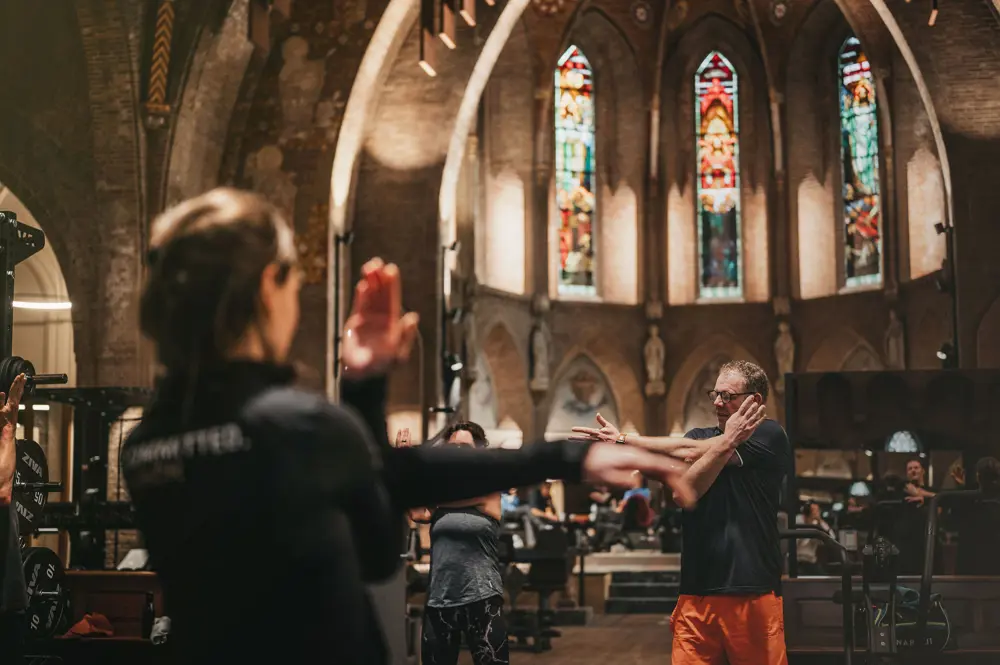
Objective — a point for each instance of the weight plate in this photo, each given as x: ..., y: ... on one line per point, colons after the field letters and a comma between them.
x: 43, y: 573
x: 6, y: 374
x: 31, y: 468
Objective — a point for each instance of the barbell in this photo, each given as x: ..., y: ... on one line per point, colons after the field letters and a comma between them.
x: 12, y: 366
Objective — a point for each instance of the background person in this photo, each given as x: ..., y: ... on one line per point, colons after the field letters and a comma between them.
x: 465, y: 590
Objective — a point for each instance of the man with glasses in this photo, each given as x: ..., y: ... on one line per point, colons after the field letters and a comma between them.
x: 730, y: 604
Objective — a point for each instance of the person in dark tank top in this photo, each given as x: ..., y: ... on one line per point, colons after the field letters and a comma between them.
x: 465, y: 591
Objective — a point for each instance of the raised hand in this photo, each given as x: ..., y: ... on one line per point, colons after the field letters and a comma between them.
x: 742, y: 424
x: 8, y: 412
x: 376, y: 335
x: 403, y: 438
x: 608, y: 464
x: 958, y: 473
x: 607, y: 432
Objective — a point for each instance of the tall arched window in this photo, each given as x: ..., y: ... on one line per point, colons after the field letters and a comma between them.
x: 575, y: 173
x: 717, y: 130
x: 859, y: 157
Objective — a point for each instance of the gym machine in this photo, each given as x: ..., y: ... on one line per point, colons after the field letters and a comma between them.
x: 42, y: 567
x: 845, y: 596
x: 551, y: 561
x: 95, y: 412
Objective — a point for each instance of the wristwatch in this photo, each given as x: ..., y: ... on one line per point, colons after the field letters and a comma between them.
x: 621, y: 438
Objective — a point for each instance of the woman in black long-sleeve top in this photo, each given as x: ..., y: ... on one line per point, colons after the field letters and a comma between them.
x: 265, y: 508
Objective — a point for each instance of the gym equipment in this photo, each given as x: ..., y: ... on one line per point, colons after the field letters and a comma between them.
x: 551, y: 566
x: 930, y: 603
x: 880, y: 564
x: 12, y: 366
x: 31, y: 484
x: 845, y: 596
x: 47, y: 600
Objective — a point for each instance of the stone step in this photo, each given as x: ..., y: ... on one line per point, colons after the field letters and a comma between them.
x: 646, y: 577
x: 639, y: 605
x: 642, y: 590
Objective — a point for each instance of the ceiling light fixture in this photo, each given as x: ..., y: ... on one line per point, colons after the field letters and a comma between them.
x: 45, y: 306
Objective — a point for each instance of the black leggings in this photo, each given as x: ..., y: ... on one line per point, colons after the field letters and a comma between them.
x: 482, y: 624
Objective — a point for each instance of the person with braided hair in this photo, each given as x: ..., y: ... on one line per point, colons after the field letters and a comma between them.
x: 266, y: 509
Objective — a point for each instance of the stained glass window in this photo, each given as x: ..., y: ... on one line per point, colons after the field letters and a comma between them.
x: 859, y: 158
x: 575, y: 137
x: 717, y: 129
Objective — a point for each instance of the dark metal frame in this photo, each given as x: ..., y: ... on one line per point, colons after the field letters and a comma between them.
x: 94, y: 414
x: 846, y: 586
x: 930, y: 543
x: 17, y: 242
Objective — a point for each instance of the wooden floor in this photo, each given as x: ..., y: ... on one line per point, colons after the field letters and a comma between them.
x: 611, y: 639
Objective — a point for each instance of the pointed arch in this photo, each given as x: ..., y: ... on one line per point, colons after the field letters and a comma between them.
x: 844, y: 350
x: 580, y: 392
x: 625, y: 389
x: 509, y: 375
x: 717, y: 162
x: 861, y: 191
x: 682, y: 181
x: 575, y: 173
x: 618, y: 163
x: 691, y: 370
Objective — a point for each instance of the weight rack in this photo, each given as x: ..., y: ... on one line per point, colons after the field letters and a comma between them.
x: 88, y: 514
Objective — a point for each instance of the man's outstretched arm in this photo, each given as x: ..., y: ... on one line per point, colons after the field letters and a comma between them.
x: 682, y: 448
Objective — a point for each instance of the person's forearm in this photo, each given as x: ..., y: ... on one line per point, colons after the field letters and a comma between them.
x: 426, y: 476
x: 367, y: 398
x: 689, y: 450
x: 703, y: 473
x: 8, y: 463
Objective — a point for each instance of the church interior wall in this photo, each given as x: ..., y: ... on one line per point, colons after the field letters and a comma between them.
x: 277, y: 117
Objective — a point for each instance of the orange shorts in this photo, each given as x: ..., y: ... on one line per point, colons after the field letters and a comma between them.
x: 739, y: 630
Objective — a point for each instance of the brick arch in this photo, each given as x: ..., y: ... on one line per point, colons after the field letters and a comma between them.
x: 211, y: 74
x: 988, y: 337
x: 120, y: 202
x: 683, y: 381
x: 394, y: 183
x: 624, y: 384
x: 840, y: 348
x: 510, y: 376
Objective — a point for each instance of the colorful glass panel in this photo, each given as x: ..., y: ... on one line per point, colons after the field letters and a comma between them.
x: 717, y: 131
x: 859, y: 158
x: 575, y: 173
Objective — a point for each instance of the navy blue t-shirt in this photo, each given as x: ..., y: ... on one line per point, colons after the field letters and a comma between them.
x: 731, y: 544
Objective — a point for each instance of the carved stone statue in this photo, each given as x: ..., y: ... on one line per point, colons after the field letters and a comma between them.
x: 540, y: 357
x: 895, y: 343
x: 784, y: 353
x: 299, y: 85
x: 655, y: 354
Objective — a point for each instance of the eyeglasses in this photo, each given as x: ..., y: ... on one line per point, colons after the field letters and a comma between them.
x: 726, y: 396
